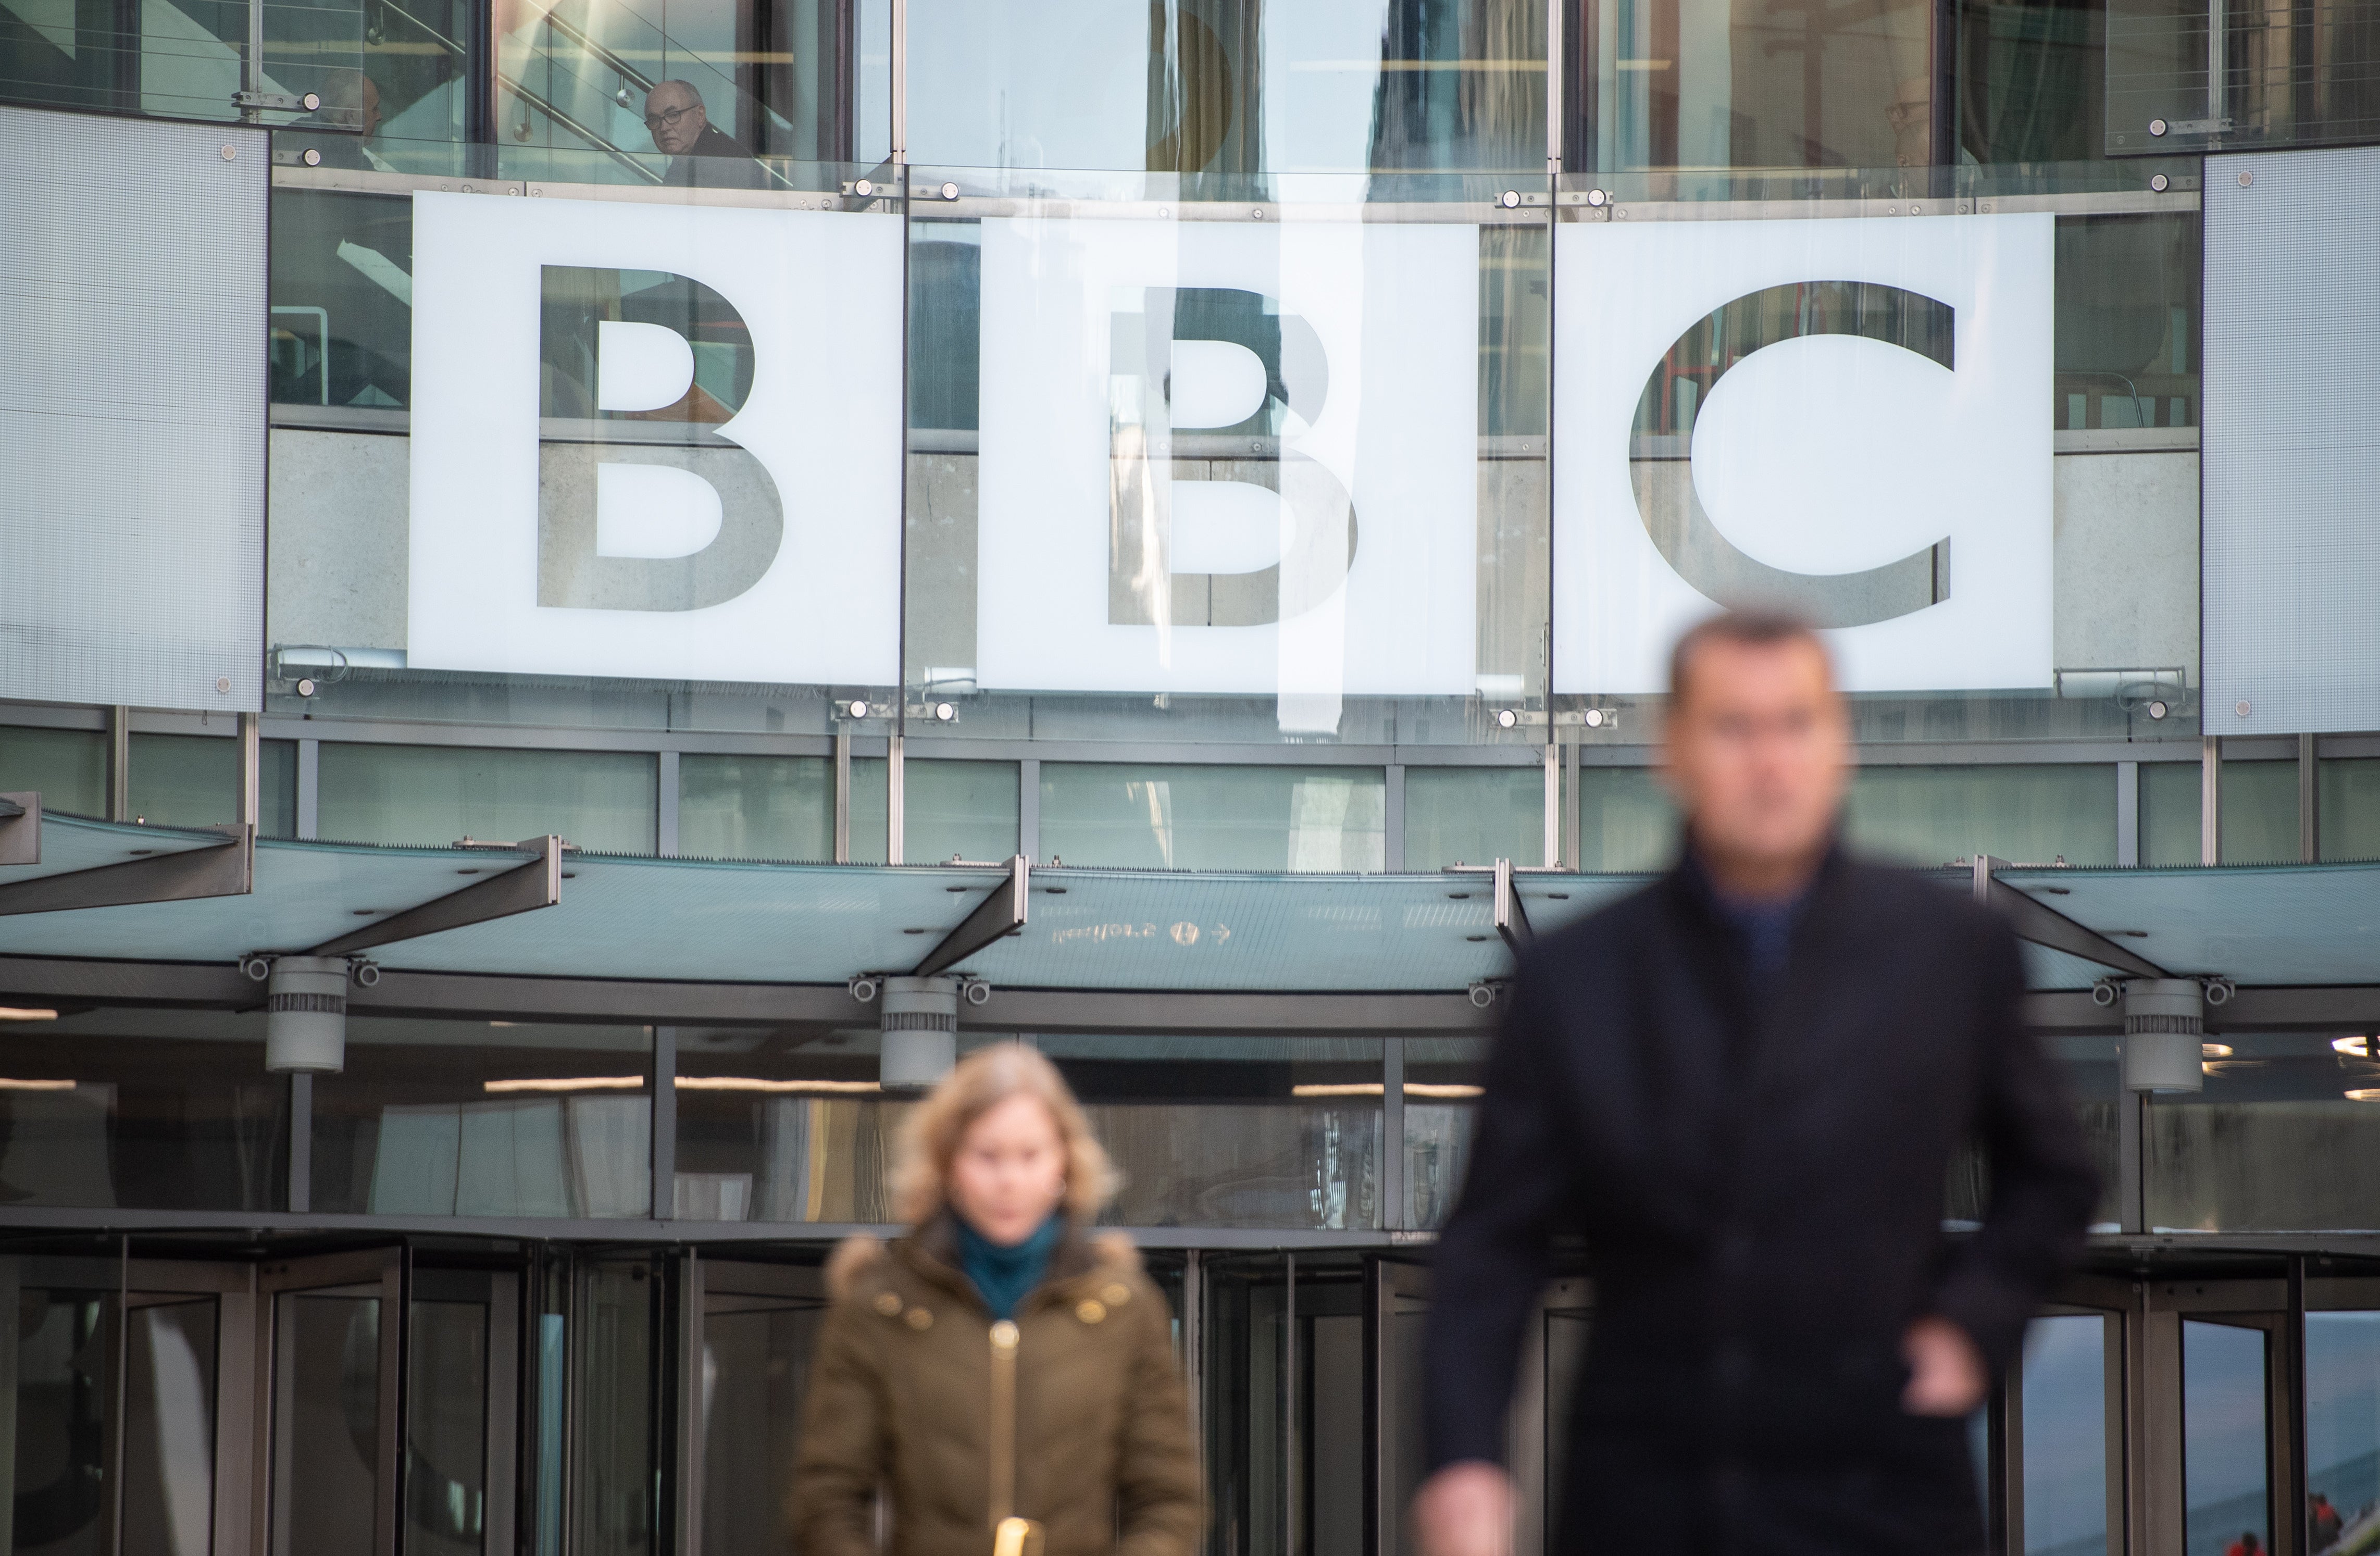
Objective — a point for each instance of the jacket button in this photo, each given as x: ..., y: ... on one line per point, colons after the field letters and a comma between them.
x: 920, y: 1318
x: 1115, y: 1293
x: 1090, y: 1311
x: 888, y: 1304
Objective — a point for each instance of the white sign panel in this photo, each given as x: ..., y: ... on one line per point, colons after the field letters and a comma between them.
x: 1849, y: 418
x: 1122, y: 546
x: 765, y: 548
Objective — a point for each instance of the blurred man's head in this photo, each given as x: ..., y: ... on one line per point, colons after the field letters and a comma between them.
x: 1756, y: 748
x: 674, y: 114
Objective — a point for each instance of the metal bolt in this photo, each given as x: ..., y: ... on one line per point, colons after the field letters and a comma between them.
x: 2246, y: 179
x: 1506, y: 718
x: 863, y: 189
x: 857, y: 709
x: 1512, y: 200
x: 2240, y: 708
x: 314, y: 158
x: 306, y: 687
x: 2159, y: 182
x: 945, y: 712
x: 1594, y: 718
x: 950, y: 191
x: 1596, y: 197
x: 222, y: 683
x: 1916, y: 209
x: 2157, y: 710
x: 1257, y: 214
x: 229, y: 152
x: 311, y: 101
x: 2157, y: 126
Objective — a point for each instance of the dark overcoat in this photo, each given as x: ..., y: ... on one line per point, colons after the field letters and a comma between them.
x: 1756, y: 1167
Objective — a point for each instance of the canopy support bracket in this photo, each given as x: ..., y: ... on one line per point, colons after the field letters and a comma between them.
x: 1512, y: 918
x: 20, y: 829
x: 522, y: 889
x: 2045, y: 926
x: 215, y: 869
x: 1000, y: 914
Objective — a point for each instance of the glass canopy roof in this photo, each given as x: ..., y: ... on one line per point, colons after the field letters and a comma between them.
x: 709, y: 920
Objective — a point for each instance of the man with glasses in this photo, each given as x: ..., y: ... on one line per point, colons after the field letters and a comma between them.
x: 1742, y: 1088
x: 701, y: 154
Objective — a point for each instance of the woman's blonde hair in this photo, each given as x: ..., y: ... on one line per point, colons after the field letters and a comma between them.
x: 984, y: 1079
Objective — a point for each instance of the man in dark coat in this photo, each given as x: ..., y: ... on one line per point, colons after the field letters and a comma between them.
x: 1743, y: 1087
x: 701, y: 154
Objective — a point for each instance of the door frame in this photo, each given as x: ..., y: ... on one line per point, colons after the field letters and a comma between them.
x: 365, y: 1271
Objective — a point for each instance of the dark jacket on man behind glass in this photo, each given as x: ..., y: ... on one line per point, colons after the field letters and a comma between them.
x: 717, y: 160
x: 1756, y: 1163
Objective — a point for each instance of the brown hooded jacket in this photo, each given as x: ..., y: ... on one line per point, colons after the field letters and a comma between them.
x: 1079, y: 1421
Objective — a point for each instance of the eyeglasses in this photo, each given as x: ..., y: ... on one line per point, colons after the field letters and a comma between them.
x: 667, y: 118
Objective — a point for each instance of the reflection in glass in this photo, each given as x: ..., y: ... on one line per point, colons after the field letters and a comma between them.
x: 2350, y: 808
x: 326, y: 1424
x: 446, y: 1428
x: 2065, y: 1436
x: 1928, y: 816
x: 67, y: 767
x: 434, y: 1118
x: 2342, y: 1413
x: 2225, y: 1487
x: 614, y: 1373
x: 756, y: 1357
x: 1206, y: 817
x: 64, y: 1381
x: 602, y: 801
x: 1474, y: 815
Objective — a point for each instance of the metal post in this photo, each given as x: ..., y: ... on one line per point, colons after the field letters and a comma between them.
x: 664, y: 1135
x: 1392, y: 1134
x: 665, y: 822
x: 1288, y: 1445
x: 251, y: 777
x: 894, y: 799
x: 2127, y: 813
x: 1552, y: 842
x: 2296, y: 1533
x: 2309, y: 800
x: 301, y: 1141
x: 842, y: 796
x: 119, y: 763
x: 309, y: 788
x: 251, y: 74
x: 1574, y: 849
x: 1557, y: 66
x: 2218, y: 64
x: 2210, y: 800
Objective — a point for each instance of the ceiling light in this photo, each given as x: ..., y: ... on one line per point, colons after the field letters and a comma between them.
x: 26, y: 1012
x: 751, y: 1083
x: 2358, y: 1047
x: 1441, y: 1089
x: 1337, y: 1089
x: 2365, y: 1094
x: 6, y: 1085
x: 2215, y: 1051
x: 569, y: 1083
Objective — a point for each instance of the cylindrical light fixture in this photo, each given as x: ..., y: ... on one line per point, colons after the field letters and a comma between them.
x: 306, y: 1014
x: 2165, y: 1035
x: 920, y: 1035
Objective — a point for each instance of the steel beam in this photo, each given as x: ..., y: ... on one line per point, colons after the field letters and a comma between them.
x: 522, y: 889
x: 20, y: 829
x: 1512, y: 918
x: 216, y: 869
x: 1000, y: 914
x: 2044, y: 925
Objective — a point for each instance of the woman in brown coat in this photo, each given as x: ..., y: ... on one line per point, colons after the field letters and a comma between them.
x: 1007, y: 1381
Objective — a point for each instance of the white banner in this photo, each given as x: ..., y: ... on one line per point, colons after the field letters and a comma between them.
x: 1850, y: 416
x: 765, y: 548
x: 1123, y: 545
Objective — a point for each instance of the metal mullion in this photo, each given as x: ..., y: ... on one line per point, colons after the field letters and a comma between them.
x: 1392, y: 1134
x: 114, y: 1471
x: 663, y: 1202
x: 1289, y: 1398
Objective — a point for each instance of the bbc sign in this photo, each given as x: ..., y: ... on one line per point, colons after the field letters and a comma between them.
x: 1221, y: 458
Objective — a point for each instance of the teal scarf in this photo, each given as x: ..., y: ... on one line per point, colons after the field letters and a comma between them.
x: 1006, y: 1276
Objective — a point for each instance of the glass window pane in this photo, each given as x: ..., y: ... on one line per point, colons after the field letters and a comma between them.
x: 963, y: 809
x: 2342, y: 1383
x: 465, y: 1118
x: 755, y: 808
x: 2286, y: 1137
x: 1474, y: 815
x: 446, y: 1442
x: 602, y: 801
x: 2351, y: 809
x: 2169, y: 812
x: 1213, y: 818
x: 1625, y: 819
x: 2260, y: 812
x: 2226, y: 1494
x: 2029, y: 814
x: 1441, y: 1091
x: 2065, y: 1435
x: 67, y: 767
x: 326, y: 1459
x: 148, y: 1110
